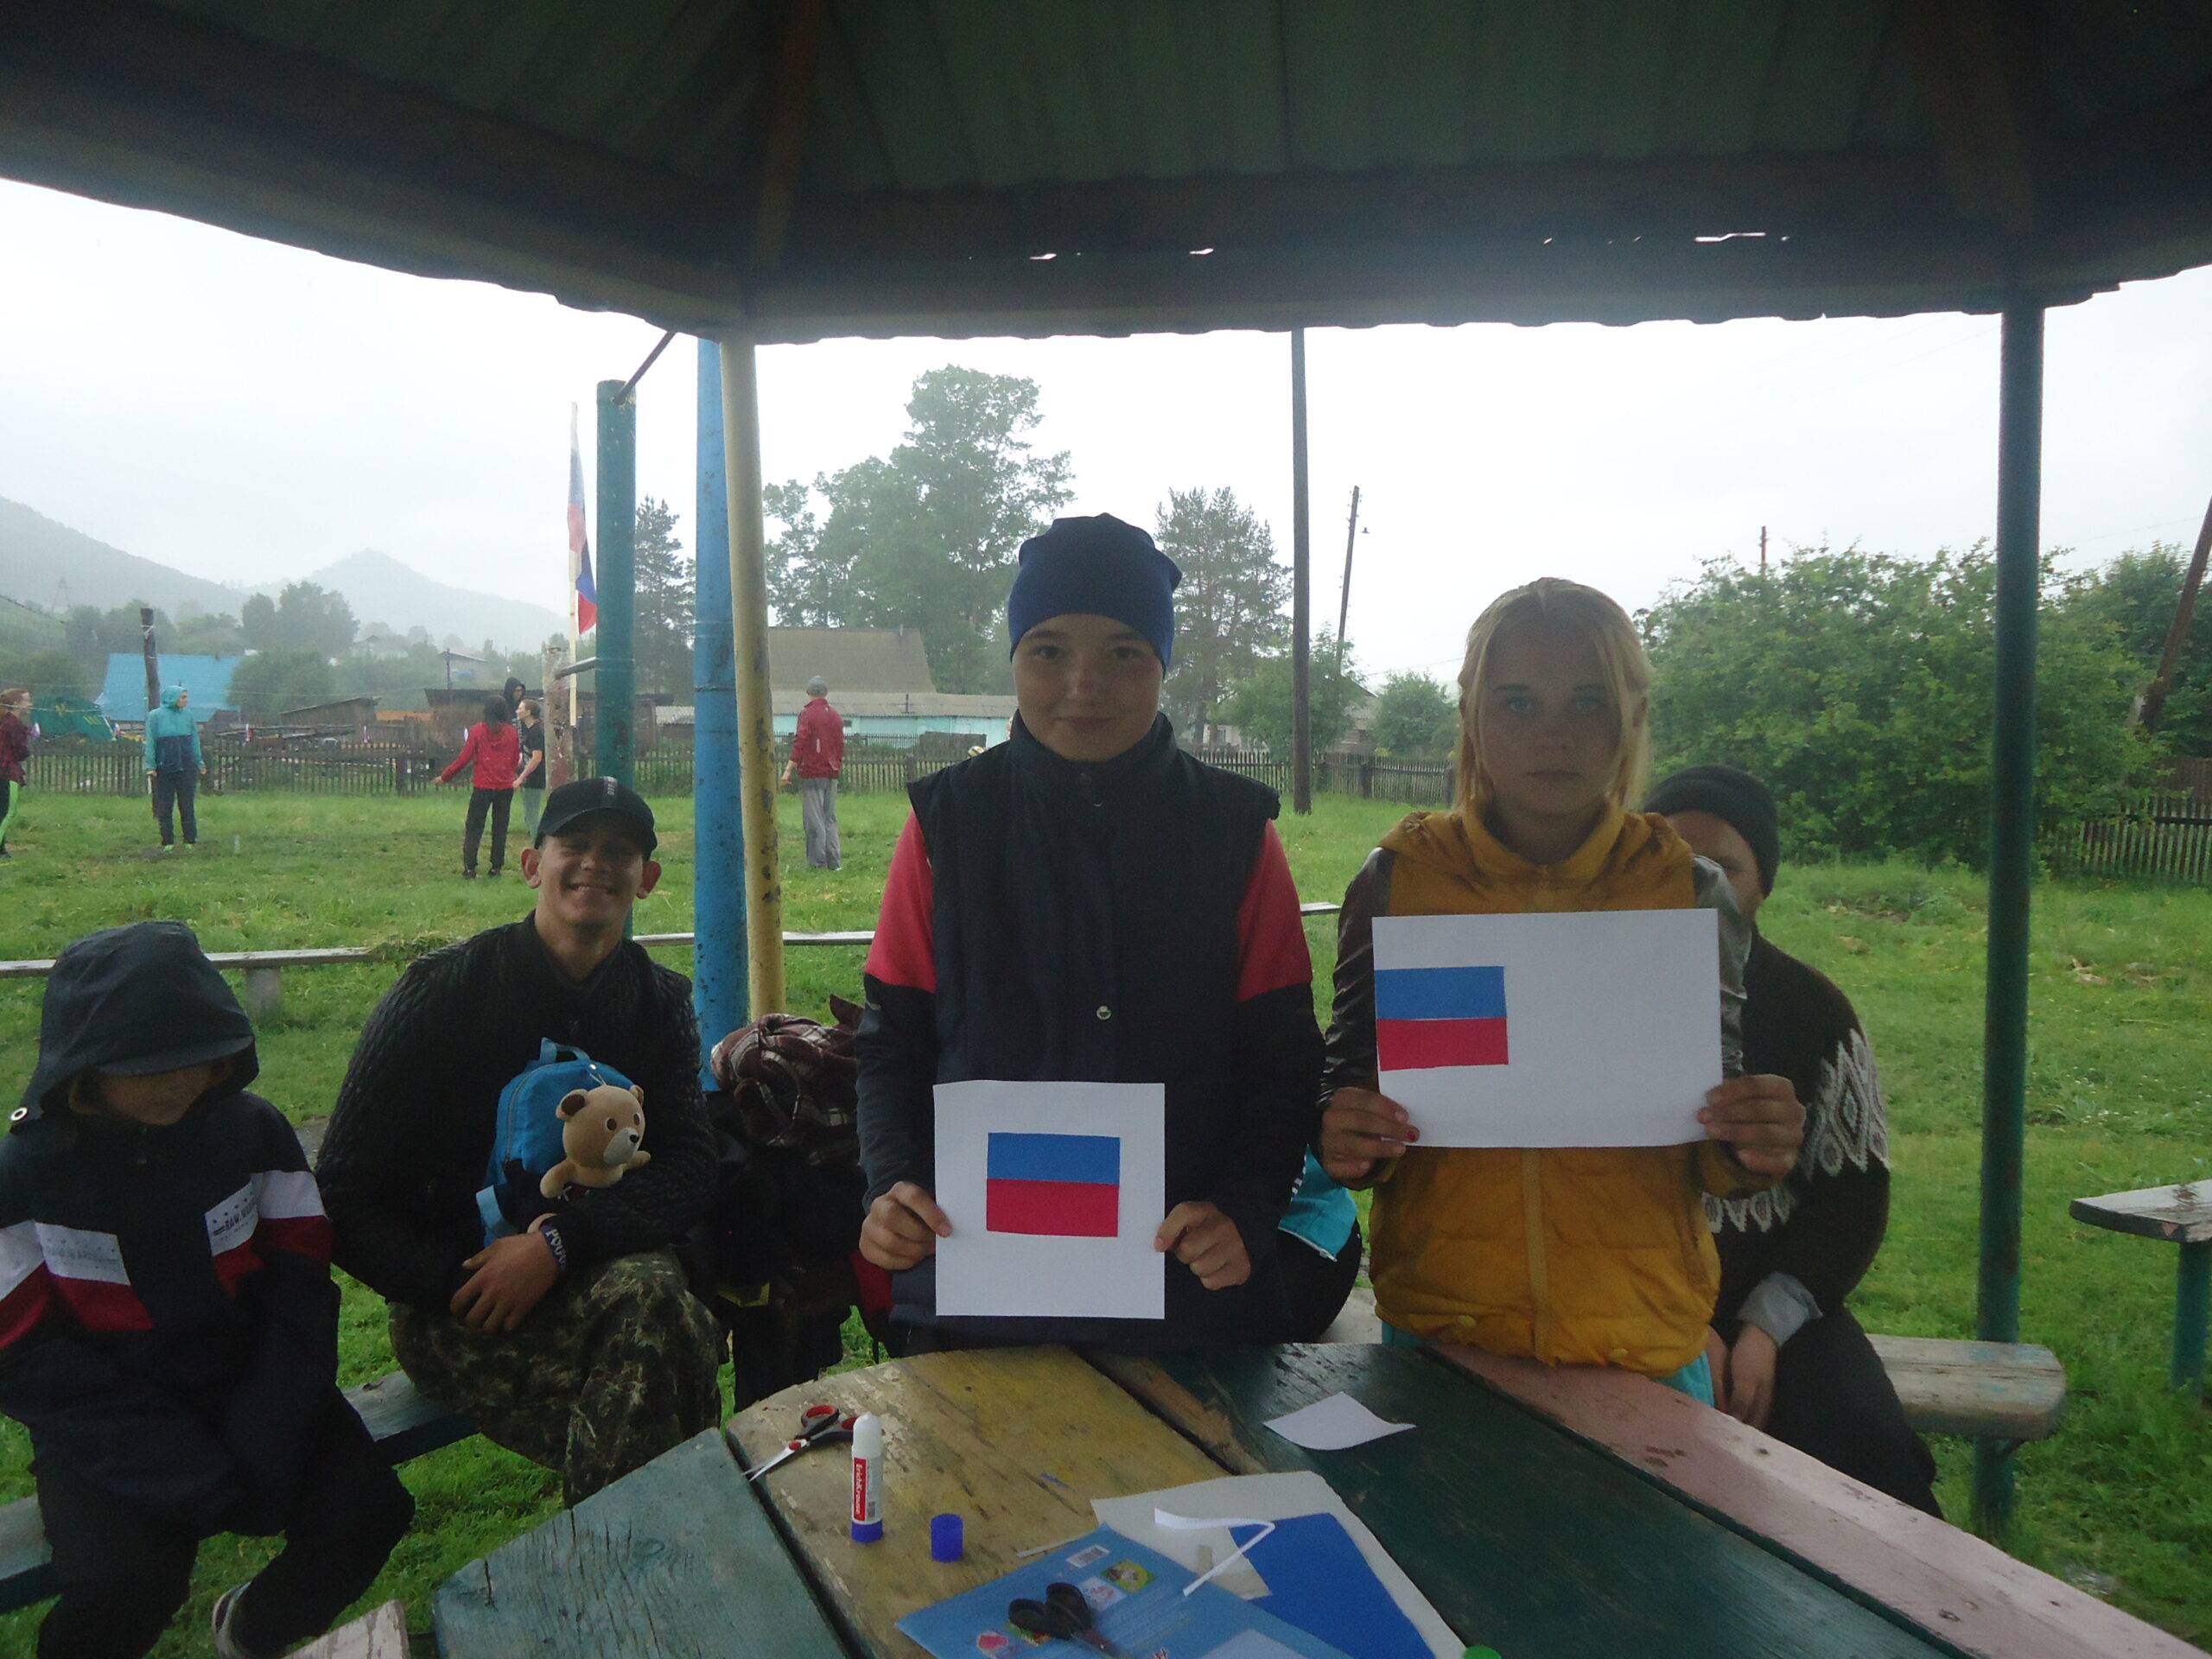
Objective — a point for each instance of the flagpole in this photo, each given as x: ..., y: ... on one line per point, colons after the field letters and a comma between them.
x: 575, y: 570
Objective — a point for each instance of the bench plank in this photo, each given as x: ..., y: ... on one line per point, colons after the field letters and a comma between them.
x: 404, y: 1424
x: 677, y: 1561
x: 378, y: 1634
x: 1995, y: 1390
x: 2181, y: 1215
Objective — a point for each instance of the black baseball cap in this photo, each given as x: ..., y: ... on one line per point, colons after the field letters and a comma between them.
x: 586, y: 796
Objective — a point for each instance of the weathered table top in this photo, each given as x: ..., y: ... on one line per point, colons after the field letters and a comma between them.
x: 1542, y: 1515
x: 2181, y: 1215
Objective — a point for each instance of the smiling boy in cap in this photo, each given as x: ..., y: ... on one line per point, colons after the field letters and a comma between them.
x: 576, y: 1344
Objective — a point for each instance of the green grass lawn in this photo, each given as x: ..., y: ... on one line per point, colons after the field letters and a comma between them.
x: 2120, y: 1097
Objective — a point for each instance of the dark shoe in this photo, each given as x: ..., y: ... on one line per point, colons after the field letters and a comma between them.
x: 221, y: 1621
x: 495, y: 873
x: 468, y: 875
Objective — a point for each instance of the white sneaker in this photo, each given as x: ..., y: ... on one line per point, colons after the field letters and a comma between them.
x: 228, y: 1646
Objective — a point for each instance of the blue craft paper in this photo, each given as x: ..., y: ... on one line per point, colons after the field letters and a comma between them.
x: 1319, y: 1581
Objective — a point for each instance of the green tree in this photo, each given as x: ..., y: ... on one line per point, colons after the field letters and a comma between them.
x: 1858, y: 686
x: 1261, y: 706
x: 45, y: 673
x: 302, y: 617
x: 206, y: 635
x: 270, y: 682
x: 2136, y: 594
x: 1229, y: 611
x: 926, y: 538
x: 663, y: 646
x: 1416, y: 715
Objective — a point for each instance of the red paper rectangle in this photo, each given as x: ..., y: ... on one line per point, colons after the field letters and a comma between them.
x: 1058, y: 1209
x: 1426, y: 1045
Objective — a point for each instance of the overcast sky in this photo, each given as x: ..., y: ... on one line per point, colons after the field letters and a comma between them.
x: 250, y: 412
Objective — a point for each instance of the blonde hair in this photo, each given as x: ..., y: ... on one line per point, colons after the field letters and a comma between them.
x: 1620, y: 657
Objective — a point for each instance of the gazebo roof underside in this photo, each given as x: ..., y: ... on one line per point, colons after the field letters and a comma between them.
x: 805, y: 168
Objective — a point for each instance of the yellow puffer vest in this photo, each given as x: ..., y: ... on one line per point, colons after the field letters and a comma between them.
x: 1576, y: 1255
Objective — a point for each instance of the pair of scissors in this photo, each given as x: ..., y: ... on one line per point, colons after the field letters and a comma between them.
x: 816, y: 1426
x: 1065, y: 1616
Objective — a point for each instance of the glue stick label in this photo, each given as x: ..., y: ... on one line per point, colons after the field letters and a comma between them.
x: 867, y: 1478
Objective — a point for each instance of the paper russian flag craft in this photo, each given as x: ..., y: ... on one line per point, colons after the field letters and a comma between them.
x: 1428, y: 1017
x: 1064, y: 1185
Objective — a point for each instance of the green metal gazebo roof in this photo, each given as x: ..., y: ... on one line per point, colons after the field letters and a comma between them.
x: 811, y: 168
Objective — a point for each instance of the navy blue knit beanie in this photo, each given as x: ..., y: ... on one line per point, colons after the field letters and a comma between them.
x: 1735, y: 798
x: 1096, y: 567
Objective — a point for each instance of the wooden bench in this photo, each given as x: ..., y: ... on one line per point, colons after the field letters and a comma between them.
x: 1991, y: 1390
x: 404, y: 1423
x: 2009, y: 1391
x: 2180, y: 1215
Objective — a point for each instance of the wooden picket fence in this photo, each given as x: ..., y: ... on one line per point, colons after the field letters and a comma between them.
x: 2164, y: 835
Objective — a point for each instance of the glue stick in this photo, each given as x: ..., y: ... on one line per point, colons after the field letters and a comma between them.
x: 867, y: 1478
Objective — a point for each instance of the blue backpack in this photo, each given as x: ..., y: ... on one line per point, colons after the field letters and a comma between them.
x: 528, y: 1140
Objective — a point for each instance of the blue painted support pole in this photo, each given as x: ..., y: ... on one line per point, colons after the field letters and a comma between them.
x: 718, y: 969
x: 615, y: 682
x: 2012, y: 865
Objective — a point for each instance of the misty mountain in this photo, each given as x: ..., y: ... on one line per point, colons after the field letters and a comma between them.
x: 50, y: 565
x: 382, y: 589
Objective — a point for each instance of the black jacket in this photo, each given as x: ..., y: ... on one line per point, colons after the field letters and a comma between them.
x: 168, y: 1328
x: 405, y: 1151
x: 1085, y: 928
x: 1823, y: 1225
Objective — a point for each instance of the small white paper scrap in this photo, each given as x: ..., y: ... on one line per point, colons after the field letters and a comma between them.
x: 1333, y: 1424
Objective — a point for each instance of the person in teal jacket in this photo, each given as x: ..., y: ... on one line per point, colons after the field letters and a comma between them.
x: 175, y: 765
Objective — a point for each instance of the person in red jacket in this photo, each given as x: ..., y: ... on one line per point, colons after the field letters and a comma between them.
x: 494, y: 750
x: 14, y: 749
x: 818, y: 758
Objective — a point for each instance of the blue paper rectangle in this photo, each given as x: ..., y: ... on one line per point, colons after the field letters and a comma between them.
x: 1439, y: 994
x: 1015, y: 1157
x: 1317, y: 1580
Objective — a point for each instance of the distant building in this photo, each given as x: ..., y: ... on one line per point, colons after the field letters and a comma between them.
x: 122, y: 697
x: 355, y: 714
x: 878, y: 681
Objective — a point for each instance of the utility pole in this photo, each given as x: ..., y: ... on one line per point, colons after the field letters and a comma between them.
x: 153, y: 659
x: 1351, y: 534
x: 1301, y: 596
x: 2153, y: 703
x: 1762, y: 550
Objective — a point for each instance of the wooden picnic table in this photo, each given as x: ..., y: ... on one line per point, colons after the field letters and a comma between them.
x: 1544, y: 1511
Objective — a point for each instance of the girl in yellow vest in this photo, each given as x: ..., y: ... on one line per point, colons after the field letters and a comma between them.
x: 1573, y: 1256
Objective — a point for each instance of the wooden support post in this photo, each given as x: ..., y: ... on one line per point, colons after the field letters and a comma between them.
x: 615, y: 734
x: 2192, y: 1316
x: 560, y: 726
x: 2151, y: 705
x: 153, y: 656
x: 264, y: 994
x: 756, y: 729
x: 1301, y: 592
x: 2011, y: 865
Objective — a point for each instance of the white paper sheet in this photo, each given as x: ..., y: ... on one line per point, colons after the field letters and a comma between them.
x: 1004, y: 1274
x: 1612, y: 1023
x: 1333, y: 1423
x: 1272, y: 1497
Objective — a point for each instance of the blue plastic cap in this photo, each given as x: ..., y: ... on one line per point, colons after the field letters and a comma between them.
x: 948, y: 1539
x: 867, y: 1532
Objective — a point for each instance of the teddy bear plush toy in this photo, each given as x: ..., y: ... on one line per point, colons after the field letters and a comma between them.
x: 602, y: 1134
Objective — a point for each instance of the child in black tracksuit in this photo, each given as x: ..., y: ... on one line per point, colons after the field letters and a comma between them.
x: 168, y: 1327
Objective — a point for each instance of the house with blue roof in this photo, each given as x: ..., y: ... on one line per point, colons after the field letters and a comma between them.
x: 122, y: 698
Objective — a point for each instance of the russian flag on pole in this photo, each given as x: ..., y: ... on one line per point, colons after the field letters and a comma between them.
x: 586, y: 591
x: 1058, y: 1185
x: 1614, y: 1019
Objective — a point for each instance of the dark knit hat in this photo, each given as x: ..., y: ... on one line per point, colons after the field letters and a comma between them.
x: 1737, y: 798
x: 1096, y: 567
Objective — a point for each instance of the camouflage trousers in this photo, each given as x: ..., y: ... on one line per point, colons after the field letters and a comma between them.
x: 616, y: 1366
